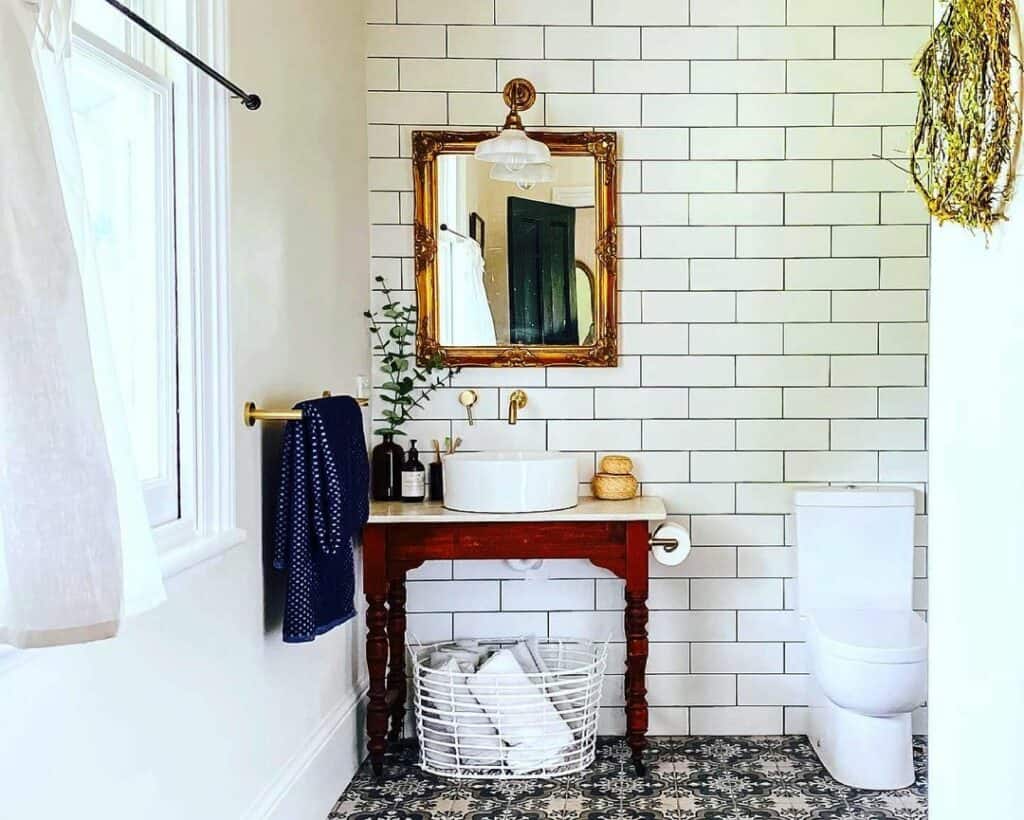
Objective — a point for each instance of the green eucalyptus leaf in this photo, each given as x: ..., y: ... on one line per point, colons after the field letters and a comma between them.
x: 398, y: 391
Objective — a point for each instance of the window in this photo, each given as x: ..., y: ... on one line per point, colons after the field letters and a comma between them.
x: 122, y: 115
x: 151, y: 136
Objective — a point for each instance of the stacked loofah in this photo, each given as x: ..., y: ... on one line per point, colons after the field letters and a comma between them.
x: 615, y: 481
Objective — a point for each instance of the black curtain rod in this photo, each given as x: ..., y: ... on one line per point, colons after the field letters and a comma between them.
x: 250, y: 101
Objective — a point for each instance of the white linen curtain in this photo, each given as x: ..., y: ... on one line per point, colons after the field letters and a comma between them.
x: 76, y: 549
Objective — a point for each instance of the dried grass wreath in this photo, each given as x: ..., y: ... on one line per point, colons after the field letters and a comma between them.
x: 968, y: 132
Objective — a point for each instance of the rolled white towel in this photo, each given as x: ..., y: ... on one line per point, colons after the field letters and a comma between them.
x: 527, y: 652
x: 568, y: 703
x: 525, y: 718
x: 528, y: 757
x: 456, y: 730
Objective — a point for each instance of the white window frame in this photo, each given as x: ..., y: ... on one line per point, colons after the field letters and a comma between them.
x: 206, y: 524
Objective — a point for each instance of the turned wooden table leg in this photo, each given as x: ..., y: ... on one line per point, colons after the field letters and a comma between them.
x: 377, y: 664
x: 396, y: 639
x: 375, y: 586
x: 636, y: 642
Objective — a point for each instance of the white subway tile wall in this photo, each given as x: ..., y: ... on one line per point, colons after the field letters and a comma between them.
x: 774, y: 306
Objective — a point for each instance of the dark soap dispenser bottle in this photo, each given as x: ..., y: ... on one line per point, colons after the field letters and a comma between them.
x: 414, y: 476
x: 386, y: 469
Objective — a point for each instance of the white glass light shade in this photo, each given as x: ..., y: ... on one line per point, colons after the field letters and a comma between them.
x: 526, y: 177
x: 514, y: 149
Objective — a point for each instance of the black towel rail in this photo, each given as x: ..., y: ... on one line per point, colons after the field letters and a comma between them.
x: 456, y: 233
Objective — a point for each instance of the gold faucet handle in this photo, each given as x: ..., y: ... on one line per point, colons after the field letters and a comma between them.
x: 516, y: 402
x: 467, y: 398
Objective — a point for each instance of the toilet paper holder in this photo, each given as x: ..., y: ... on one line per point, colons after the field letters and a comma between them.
x: 669, y: 544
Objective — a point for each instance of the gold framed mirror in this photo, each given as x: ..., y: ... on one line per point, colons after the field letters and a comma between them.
x: 515, y: 267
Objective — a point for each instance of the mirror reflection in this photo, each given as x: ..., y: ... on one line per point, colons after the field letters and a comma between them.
x: 516, y: 252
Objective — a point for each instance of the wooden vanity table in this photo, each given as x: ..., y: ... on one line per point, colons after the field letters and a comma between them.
x: 400, y: 537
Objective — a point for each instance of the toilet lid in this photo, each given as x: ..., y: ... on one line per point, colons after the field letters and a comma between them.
x: 874, y: 636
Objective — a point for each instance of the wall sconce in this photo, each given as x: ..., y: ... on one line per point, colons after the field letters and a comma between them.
x: 512, y: 147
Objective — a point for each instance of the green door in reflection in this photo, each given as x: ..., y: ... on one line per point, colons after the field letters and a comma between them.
x: 542, y: 273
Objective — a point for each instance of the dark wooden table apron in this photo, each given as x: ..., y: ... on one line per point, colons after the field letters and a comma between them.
x: 392, y: 550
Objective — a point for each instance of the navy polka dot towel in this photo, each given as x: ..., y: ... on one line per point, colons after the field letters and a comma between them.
x: 322, y: 504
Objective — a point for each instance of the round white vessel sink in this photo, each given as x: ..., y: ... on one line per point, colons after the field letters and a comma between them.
x: 510, y: 482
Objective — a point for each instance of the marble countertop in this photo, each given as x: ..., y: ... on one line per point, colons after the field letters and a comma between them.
x: 643, y: 508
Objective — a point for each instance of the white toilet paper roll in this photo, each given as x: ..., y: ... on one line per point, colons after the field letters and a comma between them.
x: 666, y: 554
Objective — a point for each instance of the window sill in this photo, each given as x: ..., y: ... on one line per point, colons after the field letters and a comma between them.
x: 180, y: 551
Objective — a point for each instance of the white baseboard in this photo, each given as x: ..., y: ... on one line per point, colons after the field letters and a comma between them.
x: 320, y: 771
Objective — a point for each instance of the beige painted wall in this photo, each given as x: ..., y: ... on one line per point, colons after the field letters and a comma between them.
x: 198, y: 709
x: 299, y: 251
x: 975, y: 562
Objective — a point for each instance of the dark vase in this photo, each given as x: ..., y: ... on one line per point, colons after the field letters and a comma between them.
x: 386, y: 470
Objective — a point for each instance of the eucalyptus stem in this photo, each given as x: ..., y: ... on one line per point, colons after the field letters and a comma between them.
x: 427, y: 391
x: 403, y: 376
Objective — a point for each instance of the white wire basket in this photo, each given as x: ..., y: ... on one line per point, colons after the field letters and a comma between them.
x: 496, y: 725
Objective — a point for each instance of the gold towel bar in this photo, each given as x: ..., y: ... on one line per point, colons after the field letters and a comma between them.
x: 252, y: 414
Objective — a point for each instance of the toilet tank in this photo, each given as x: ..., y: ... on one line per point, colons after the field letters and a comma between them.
x: 854, y: 548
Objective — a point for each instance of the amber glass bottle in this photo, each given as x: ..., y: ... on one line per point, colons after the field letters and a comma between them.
x: 386, y: 470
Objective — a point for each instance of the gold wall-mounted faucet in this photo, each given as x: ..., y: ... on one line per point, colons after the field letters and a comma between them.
x: 468, y: 398
x: 516, y: 402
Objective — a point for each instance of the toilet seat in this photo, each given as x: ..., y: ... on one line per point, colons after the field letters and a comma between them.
x: 870, y: 636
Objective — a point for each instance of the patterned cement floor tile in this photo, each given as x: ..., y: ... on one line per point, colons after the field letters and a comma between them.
x: 688, y: 778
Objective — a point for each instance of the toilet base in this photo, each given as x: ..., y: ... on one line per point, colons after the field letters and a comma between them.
x: 874, y: 753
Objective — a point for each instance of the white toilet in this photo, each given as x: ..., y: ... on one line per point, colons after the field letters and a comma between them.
x: 867, y: 648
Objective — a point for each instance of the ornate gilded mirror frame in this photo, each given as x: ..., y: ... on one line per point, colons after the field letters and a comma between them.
x: 602, y: 146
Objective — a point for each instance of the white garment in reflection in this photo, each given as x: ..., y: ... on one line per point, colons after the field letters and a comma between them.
x: 465, y: 313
